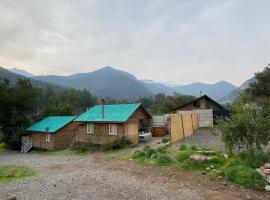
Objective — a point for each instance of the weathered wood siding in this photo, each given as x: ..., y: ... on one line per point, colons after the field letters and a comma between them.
x: 59, y: 140
x: 101, y: 130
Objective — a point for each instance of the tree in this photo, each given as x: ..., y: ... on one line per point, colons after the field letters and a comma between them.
x: 249, y: 126
x: 247, y: 129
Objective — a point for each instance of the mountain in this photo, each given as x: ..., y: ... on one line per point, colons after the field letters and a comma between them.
x: 229, y: 98
x: 21, y: 72
x: 105, y: 82
x: 14, y: 77
x: 117, y: 84
x: 157, y: 87
x: 215, y: 91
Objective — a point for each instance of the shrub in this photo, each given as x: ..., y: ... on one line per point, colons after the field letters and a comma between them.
x: 245, y: 176
x: 162, y: 149
x: 182, y: 147
x: 164, y: 160
x: 182, y: 156
x: 193, y: 147
x: 165, y: 140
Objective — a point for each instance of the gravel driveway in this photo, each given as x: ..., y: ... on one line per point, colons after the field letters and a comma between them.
x: 97, y: 176
x: 85, y: 177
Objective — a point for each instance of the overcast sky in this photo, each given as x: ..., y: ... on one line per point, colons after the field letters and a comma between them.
x: 179, y: 41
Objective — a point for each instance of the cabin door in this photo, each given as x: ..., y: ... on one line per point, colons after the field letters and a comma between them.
x: 132, y: 132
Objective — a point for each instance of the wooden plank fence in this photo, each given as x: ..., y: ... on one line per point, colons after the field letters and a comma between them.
x: 182, y: 125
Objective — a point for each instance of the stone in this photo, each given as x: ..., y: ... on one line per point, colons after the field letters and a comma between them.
x: 197, y: 158
x: 12, y: 198
x: 267, y: 188
x: 266, y: 171
x: 267, y: 165
x: 248, y: 197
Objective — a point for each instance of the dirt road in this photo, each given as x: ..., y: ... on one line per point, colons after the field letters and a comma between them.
x: 99, y: 177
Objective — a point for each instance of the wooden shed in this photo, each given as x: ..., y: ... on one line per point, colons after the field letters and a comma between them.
x: 105, y: 124
x: 204, y: 103
x: 51, y: 133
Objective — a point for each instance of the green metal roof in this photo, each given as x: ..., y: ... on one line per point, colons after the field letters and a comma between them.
x: 52, y: 124
x: 112, y: 113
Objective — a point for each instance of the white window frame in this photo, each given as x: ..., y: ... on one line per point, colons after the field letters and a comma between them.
x: 90, y: 128
x: 114, y: 127
x: 48, y: 137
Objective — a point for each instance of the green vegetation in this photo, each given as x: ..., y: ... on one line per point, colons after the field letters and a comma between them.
x: 10, y: 173
x: 3, y: 147
x: 248, y: 127
x: 239, y: 169
x: 245, y: 176
x: 165, y: 139
x: 161, y: 104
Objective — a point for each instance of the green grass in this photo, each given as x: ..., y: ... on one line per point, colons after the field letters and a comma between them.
x: 238, y: 169
x: 64, y: 152
x: 245, y: 176
x: 3, y: 147
x: 10, y: 173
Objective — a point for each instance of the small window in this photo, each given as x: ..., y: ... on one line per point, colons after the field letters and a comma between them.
x: 90, y: 128
x: 48, y: 137
x: 112, y: 129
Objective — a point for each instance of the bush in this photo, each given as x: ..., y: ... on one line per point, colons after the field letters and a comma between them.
x: 165, y: 140
x: 182, y: 156
x: 245, y: 176
x: 164, y: 160
x: 162, y: 149
x: 193, y: 147
x: 182, y: 147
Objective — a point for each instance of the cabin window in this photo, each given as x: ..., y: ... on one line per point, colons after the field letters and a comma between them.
x: 48, y: 137
x: 90, y: 128
x: 112, y: 129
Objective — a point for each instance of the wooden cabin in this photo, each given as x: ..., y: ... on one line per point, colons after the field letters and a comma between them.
x: 105, y: 124
x: 51, y: 133
x: 203, y: 103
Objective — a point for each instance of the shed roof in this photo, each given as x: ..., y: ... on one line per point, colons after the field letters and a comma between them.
x: 201, y: 97
x: 117, y: 113
x: 51, y: 124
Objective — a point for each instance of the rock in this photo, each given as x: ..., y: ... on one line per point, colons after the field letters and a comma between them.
x: 267, y: 165
x: 266, y: 171
x: 12, y: 198
x: 267, y: 188
x: 197, y: 158
x: 248, y: 197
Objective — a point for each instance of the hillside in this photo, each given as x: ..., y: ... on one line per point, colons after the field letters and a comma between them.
x: 13, y: 78
x: 215, y: 91
x: 105, y: 82
x: 21, y: 72
x: 235, y: 93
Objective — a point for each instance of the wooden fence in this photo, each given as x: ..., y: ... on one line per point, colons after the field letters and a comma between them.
x: 205, y: 116
x: 182, y: 125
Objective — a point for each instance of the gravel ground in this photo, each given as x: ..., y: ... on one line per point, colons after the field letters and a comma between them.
x: 85, y: 177
x: 204, y: 138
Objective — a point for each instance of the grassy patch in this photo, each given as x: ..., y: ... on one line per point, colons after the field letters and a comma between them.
x: 239, y: 169
x: 165, y: 140
x: 245, y: 176
x: 10, y: 173
x: 3, y: 147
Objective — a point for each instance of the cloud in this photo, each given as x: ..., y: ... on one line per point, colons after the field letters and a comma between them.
x: 181, y: 41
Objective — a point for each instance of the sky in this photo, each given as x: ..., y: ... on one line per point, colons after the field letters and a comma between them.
x: 179, y: 41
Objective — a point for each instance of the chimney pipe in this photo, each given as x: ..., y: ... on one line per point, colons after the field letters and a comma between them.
x: 102, y: 108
